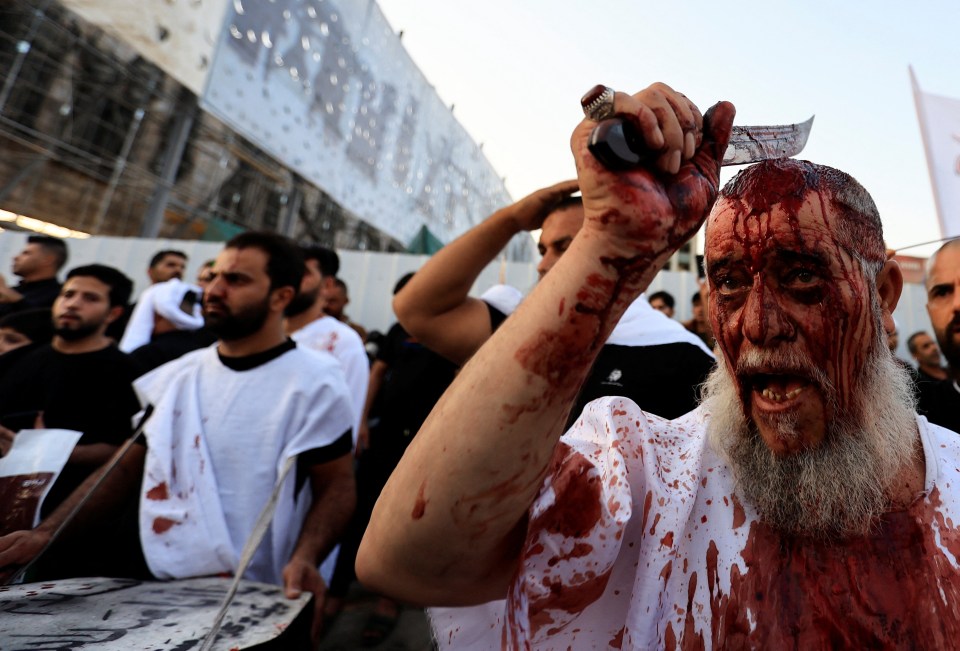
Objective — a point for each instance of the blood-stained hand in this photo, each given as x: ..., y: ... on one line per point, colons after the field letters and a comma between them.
x: 300, y: 575
x: 649, y: 212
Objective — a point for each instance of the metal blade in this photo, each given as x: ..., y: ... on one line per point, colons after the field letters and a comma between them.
x: 752, y: 144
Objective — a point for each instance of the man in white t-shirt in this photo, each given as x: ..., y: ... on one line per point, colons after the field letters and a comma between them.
x: 226, y: 420
x: 312, y: 328
x: 803, y: 505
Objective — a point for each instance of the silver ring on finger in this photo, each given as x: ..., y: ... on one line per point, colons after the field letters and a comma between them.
x: 597, y: 104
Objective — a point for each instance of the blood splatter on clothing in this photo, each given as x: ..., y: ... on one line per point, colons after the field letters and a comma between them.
x: 638, y: 540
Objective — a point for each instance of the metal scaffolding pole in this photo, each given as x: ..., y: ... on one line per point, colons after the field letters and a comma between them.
x: 23, y: 48
x: 172, y: 156
x: 119, y: 165
x: 288, y: 218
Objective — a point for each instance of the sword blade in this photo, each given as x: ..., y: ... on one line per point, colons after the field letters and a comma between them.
x: 752, y: 144
x: 618, y: 145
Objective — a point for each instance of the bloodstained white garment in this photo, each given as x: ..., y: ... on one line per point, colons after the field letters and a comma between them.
x: 636, y: 541
x: 217, y: 440
x: 336, y: 338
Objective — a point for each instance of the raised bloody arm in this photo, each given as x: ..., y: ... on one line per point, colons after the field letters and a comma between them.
x: 448, y: 527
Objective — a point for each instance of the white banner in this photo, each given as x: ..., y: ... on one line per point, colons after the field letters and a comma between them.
x: 940, y: 126
x: 328, y: 89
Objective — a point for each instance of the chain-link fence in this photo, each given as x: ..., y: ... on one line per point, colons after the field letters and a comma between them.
x: 97, y: 139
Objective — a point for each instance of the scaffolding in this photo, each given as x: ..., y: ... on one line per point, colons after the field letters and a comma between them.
x: 97, y: 139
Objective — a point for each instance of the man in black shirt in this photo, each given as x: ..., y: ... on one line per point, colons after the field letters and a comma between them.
x: 79, y: 381
x: 37, y: 266
x: 924, y: 350
x: 940, y: 401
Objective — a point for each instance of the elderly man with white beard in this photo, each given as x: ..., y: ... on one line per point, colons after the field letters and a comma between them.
x: 802, y: 505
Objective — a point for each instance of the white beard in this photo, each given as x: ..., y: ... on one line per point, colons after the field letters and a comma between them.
x: 838, y: 488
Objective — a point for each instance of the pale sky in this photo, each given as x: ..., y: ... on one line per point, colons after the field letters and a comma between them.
x: 515, y: 70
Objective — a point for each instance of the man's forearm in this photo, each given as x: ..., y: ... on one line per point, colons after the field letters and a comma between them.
x: 435, y: 306
x: 21, y: 547
x: 93, y: 454
x: 334, y: 499
x: 448, y: 525
x: 445, y: 279
x: 116, y: 487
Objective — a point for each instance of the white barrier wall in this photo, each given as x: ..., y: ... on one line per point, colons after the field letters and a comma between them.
x: 370, y: 276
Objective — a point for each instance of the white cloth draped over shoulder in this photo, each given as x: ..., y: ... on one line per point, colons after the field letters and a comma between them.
x: 216, y: 442
x: 333, y: 337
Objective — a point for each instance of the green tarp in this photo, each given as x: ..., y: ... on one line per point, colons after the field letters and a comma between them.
x: 424, y: 242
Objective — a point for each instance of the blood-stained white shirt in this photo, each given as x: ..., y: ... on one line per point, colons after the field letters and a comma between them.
x: 637, y: 540
x: 328, y: 335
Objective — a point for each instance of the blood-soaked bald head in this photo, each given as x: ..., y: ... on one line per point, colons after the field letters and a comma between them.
x: 789, y: 182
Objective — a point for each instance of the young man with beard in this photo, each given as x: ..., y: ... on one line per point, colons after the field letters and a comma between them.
x: 80, y: 380
x: 803, y: 505
x: 166, y: 265
x: 312, y: 328
x: 940, y: 401
x: 226, y: 419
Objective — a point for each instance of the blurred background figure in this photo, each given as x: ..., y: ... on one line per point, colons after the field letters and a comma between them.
x: 405, y: 383
x: 336, y: 297
x: 205, y: 274
x: 663, y: 301
x: 929, y: 363
x: 893, y: 341
x: 37, y: 266
x: 166, y: 265
x: 699, y: 325
x: 166, y: 323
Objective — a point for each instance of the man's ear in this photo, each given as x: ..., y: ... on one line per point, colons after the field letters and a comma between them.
x: 328, y: 283
x: 281, y: 296
x: 115, y: 313
x: 889, y: 288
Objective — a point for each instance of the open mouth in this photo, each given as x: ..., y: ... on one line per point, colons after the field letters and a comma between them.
x: 779, y: 389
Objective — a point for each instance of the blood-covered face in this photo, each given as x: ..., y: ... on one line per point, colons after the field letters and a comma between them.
x: 791, y: 310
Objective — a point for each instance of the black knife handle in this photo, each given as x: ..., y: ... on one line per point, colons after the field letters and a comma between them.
x: 618, y: 146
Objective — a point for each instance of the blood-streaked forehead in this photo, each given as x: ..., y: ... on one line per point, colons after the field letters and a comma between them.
x: 735, y: 229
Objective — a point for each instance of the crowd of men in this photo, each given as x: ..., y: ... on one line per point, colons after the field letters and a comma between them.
x: 595, y: 472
